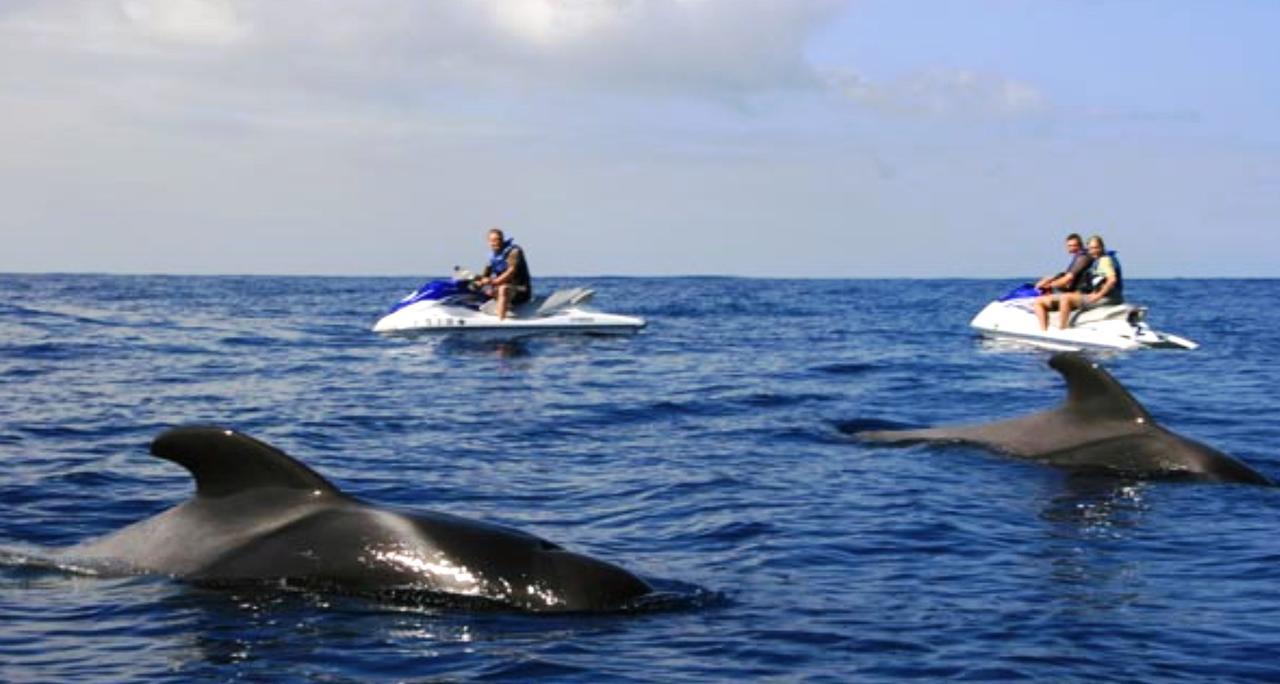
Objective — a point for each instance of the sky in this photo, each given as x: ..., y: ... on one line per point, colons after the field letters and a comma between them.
x: 765, y: 138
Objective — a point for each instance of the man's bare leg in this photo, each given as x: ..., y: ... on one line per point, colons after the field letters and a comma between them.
x: 504, y: 296
x: 1042, y: 310
x: 1065, y: 304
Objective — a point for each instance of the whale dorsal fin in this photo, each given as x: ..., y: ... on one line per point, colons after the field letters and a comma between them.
x: 225, y: 462
x: 1092, y: 393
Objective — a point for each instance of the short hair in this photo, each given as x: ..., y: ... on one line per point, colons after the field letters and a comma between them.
x: 498, y: 232
x: 1076, y: 237
x: 1101, y: 243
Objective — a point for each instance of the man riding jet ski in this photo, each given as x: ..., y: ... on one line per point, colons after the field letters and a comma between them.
x: 1070, y: 279
x: 459, y: 304
x: 507, y: 274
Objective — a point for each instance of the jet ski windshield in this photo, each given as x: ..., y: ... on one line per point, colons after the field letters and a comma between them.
x: 1022, y: 291
x: 442, y: 289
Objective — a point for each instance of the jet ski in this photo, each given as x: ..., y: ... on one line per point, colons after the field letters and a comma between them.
x: 455, y: 306
x: 1120, y: 327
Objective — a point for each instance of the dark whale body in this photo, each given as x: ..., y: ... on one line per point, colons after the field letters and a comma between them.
x: 259, y: 514
x: 1099, y: 428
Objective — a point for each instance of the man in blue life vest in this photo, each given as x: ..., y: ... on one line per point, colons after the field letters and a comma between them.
x: 1063, y: 282
x: 507, y: 274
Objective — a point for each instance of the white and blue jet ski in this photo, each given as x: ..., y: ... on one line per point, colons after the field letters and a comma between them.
x: 1120, y: 327
x: 452, y: 306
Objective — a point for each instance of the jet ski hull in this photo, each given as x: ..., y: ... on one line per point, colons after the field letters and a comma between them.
x: 1121, y: 327
x: 434, y: 318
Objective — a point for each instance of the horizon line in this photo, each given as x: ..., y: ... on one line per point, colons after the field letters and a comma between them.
x: 723, y: 276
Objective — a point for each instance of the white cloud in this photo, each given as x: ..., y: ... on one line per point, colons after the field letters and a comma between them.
x: 943, y: 93
x: 219, y: 132
x: 240, y: 64
x: 120, y: 29
x: 678, y: 44
x: 549, y: 23
x: 212, y: 22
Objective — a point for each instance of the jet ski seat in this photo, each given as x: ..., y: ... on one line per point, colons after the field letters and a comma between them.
x: 1102, y: 313
x: 543, y: 306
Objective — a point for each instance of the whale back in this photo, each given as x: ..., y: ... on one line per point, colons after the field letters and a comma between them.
x: 259, y: 514
x: 1098, y: 427
x: 1096, y: 407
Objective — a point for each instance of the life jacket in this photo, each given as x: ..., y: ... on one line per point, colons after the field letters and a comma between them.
x: 498, y: 265
x: 1079, y: 281
x: 1094, y: 279
x: 498, y: 261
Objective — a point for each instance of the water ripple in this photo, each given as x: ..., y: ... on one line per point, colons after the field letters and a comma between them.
x: 711, y: 454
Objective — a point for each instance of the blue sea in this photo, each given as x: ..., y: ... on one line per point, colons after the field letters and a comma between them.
x: 709, y: 454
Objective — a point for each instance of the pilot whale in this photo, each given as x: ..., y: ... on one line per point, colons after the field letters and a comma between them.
x: 258, y: 514
x: 1099, y: 428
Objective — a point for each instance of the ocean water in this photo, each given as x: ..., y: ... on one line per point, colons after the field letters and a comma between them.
x: 705, y: 454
